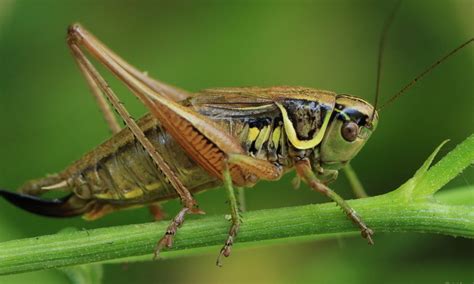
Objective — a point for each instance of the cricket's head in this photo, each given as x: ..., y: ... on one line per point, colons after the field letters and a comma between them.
x: 352, y: 122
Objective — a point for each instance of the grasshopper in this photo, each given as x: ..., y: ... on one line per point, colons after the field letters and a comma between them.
x: 230, y: 137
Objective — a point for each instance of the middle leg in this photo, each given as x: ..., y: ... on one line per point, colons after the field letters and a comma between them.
x: 234, y: 213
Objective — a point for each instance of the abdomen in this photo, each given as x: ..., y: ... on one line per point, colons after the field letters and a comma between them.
x: 121, y: 171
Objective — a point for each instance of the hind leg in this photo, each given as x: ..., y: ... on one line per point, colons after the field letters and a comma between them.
x: 77, y: 38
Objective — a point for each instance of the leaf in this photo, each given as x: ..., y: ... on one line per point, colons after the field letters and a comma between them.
x: 448, y: 168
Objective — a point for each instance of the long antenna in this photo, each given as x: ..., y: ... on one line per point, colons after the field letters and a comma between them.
x: 422, y: 74
x: 382, y: 41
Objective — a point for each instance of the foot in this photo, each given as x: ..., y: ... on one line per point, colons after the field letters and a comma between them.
x: 167, y: 240
x: 227, y: 248
x: 365, y: 231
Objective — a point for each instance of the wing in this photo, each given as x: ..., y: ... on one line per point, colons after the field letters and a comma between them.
x: 233, y: 102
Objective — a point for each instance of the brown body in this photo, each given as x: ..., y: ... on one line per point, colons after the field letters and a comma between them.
x: 121, y: 172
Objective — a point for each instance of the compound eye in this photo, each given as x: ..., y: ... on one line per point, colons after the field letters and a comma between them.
x: 349, y: 131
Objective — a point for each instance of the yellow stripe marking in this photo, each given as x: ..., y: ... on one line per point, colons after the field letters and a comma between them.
x: 253, y: 134
x: 276, y: 137
x: 290, y: 130
x: 262, y: 137
x: 134, y: 193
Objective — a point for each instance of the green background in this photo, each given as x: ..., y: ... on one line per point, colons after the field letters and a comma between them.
x: 48, y: 119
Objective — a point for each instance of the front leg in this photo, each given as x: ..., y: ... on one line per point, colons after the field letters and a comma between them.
x: 304, y: 170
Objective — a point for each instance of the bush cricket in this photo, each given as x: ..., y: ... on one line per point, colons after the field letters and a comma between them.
x: 230, y: 137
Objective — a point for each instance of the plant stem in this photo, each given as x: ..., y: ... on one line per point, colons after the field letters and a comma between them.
x: 450, y: 213
x: 72, y: 248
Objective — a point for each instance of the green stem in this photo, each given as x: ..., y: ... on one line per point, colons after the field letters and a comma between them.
x: 450, y: 213
x: 72, y: 248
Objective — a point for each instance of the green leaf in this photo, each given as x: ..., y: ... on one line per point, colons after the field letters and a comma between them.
x: 448, y: 168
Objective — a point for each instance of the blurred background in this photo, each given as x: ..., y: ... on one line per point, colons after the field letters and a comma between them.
x: 48, y: 119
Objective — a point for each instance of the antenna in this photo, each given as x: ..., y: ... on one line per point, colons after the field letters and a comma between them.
x: 427, y: 71
x: 382, y: 41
